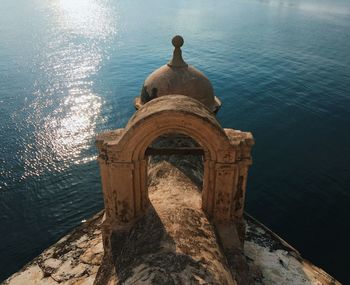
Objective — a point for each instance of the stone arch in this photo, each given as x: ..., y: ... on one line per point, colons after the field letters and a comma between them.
x: 176, y: 113
x: 124, y: 168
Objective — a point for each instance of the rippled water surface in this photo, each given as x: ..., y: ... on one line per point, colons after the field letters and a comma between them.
x: 70, y: 69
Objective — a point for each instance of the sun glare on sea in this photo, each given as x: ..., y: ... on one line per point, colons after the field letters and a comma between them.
x: 86, y: 17
x: 66, y: 105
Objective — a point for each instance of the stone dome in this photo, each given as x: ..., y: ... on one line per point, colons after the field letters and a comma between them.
x: 177, y: 77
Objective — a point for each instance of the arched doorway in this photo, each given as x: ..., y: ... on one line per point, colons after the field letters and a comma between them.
x: 123, y: 163
x: 175, y: 153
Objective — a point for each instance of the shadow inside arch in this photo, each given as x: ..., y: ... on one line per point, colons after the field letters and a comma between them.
x: 192, y: 166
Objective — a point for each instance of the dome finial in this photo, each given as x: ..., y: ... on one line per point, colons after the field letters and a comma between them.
x: 177, y: 60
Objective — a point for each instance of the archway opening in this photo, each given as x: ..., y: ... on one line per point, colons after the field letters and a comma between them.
x: 175, y: 170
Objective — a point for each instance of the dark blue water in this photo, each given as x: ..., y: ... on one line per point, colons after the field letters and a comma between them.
x: 70, y: 69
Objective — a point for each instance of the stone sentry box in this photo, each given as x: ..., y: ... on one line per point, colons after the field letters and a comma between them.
x: 123, y: 162
x: 175, y: 98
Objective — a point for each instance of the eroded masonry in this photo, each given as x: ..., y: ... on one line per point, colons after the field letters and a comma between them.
x: 175, y: 99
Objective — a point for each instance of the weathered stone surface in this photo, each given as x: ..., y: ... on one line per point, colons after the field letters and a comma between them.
x: 123, y: 163
x: 173, y: 244
x: 277, y: 261
x: 271, y: 260
x: 74, y: 259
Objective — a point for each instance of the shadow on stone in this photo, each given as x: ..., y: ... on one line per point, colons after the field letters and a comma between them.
x: 147, y: 254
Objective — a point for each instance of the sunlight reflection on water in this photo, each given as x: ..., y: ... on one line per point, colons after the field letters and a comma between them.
x: 86, y: 17
x: 65, y: 109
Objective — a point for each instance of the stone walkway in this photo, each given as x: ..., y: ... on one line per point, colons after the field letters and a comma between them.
x: 75, y: 259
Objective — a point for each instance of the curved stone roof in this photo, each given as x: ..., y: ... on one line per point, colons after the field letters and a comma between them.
x: 177, y: 77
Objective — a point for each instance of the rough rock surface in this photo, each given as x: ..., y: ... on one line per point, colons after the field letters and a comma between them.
x: 173, y: 244
x: 270, y: 259
x: 74, y: 259
x: 274, y: 261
